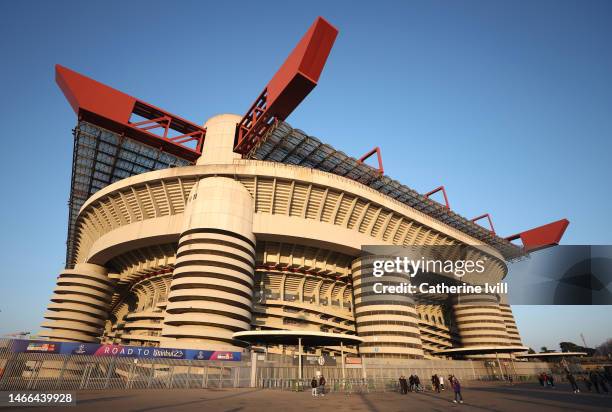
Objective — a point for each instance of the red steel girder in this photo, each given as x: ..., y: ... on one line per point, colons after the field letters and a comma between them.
x: 109, y: 108
x: 436, y: 190
x: 543, y: 236
x: 297, y: 76
x: 366, y: 156
x: 477, y: 218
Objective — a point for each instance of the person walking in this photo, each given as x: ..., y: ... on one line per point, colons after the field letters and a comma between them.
x: 602, y: 382
x: 456, y: 385
x: 441, y: 379
x: 403, y: 385
x: 417, y: 383
x: 314, y: 384
x: 586, y: 383
x: 322, y: 383
x: 541, y: 378
x: 411, y: 382
x: 572, y: 381
x: 594, y: 380
x: 551, y: 380
x: 436, y: 383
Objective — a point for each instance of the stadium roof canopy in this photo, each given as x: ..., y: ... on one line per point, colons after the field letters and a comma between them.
x: 291, y: 337
x: 284, y: 144
x: 482, y: 350
x: 548, y: 355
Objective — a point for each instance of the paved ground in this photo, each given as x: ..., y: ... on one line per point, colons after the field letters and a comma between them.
x: 481, y: 397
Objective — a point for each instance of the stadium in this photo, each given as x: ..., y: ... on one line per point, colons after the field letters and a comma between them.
x: 227, y: 235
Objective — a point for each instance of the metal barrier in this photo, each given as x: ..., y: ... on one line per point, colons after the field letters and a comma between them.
x: 46, y: 371
x: 332, y: 385
x: 27, y: 371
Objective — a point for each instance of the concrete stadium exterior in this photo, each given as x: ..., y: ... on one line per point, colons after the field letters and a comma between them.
x: 255, y: 226
x: 186, y: 256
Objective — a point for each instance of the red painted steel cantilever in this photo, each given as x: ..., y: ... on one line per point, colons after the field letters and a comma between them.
x: 297, y: 76
x: 436, y: 190
x: 376, y: 150
x: 477, y: 218
x: 102, y: 105
x: 543, y: 236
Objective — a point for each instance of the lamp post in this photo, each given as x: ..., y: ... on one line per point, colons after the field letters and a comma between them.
x: 342, y: 360
x: 501, y: 371
x: 300, y: 359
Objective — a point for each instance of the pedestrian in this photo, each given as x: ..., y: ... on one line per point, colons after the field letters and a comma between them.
x: 586, y: 383
x: 456, y: 385
x: 436, y: 383
x: 411, y: 382
x: 322, y: 385
x: 602, y: 382
x: 314, y: 385
x: 551, y: 380
x: 403, y: 385
x: 541, y: 379
x: 417, y: 383
x: 594, y: 380
x: 441, y: 378
x: 572, y: 381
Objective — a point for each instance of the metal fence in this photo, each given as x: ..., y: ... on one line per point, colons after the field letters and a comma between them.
x: 27, y: 371
x: 44, y: 371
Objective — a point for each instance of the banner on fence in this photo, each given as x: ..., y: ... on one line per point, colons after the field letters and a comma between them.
x: 313, y: 360
x: 94, y: 349
x: 352, y: 361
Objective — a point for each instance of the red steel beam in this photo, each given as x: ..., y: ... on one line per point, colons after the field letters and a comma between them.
x: 109, y: 108
x: 297, y: 76
x: 376, y: 150
x: 436, y: 190
x: 543, y: 236
x: 477, y: 218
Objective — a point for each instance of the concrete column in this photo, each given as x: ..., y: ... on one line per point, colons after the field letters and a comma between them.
x: 80, y: 304
x: 253, y: 368
x: 219, y: 143
x: 479, y: 321
x: 511, y: 328
x: 388, y: 323
x: 211, y: 291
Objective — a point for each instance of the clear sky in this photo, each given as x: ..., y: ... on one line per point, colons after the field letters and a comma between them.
x: 508, y: 104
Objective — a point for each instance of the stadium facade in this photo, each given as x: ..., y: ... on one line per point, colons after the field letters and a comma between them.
x: 182, y: 235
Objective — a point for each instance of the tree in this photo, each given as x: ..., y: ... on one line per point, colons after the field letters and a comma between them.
x: 543, y: 349
x: 605, y: 349
x: 531, y: 351
x: 572, y: 347
x: 569, y: 347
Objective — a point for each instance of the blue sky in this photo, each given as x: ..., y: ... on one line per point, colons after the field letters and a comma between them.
x: 508, y: 104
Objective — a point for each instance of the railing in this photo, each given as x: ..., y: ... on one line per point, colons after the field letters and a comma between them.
x: 332, y: 385
x: 47, y: 371
x: 27, y: 371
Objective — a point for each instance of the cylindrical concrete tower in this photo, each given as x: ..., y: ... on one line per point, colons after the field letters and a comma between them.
x: 480, y: 321
x: 219, y: 143
x: 79, y: 305
x: 211, y: 291
x: 388, y: 323
x: 511, y: 328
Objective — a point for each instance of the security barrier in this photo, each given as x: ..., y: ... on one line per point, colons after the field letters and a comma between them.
x: 44, y: 371
x: 47, y: 371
